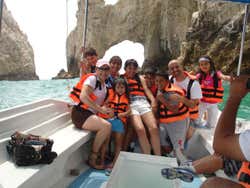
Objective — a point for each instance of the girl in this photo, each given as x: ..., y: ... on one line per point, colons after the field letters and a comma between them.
x: 140, y: 108
x: 118, y: 100
x: 212, y: 91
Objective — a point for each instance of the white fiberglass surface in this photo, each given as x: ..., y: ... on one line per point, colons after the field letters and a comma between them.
x: 141, y: 171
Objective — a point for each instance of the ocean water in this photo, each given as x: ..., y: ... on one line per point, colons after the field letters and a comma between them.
x: 20, y: 92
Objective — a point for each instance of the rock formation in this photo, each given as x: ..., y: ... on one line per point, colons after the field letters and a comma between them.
x: 16, y: 54
x: 166, y: 28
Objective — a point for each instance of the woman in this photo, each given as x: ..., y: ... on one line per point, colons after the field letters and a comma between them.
x: 140, y: 108
x: 89, y: 95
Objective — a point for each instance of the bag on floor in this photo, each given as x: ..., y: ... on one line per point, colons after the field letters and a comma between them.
x: 28, y: 149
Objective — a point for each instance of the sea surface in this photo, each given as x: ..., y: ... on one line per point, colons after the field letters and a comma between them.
x: 14, y: 93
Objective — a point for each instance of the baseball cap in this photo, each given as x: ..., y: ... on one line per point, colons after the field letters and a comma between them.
x: 102, y: 62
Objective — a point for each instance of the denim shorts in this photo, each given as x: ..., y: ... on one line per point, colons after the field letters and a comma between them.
x: 117, y: 125
x: 140, y: 106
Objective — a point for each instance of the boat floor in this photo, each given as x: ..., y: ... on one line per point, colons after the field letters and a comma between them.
x: 134, y: 170
x: 91, y: 178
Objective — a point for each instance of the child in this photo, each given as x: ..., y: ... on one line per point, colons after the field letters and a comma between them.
x: 118, y: 100
x: 212, y: 91
x: 173, y: 115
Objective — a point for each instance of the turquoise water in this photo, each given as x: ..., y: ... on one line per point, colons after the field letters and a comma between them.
x: 19, y: 92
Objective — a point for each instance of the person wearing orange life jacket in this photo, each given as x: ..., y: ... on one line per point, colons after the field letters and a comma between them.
x: 192, y: 88
x: 88, y: 62
x: 173, y: 115
x: 149, y: 76
x: 212, y: 91
x: 140, y: 108
x: 227, y: 142
x: 118, y: 100
x: 88, y: 96
x: 115, y: 64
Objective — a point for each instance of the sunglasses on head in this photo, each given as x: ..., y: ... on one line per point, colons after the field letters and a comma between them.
x: 104, y: 68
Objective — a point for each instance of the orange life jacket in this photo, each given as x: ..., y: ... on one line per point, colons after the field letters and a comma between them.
x: 119, y: 103
x: 244, y: 174
x: 165, y: 115
x: 193, y: 112
x: 212, y: 94
x: 76, y: 91
x: 135, y: 86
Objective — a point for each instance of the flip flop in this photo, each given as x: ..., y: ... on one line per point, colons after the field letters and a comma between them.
x: 173, y: 173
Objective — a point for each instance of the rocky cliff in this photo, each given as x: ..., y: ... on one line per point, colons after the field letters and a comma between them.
x: 166, y: 28
x: 16, y: 54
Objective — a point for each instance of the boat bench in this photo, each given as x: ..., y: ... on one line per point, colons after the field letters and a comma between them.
x: 50, y: 118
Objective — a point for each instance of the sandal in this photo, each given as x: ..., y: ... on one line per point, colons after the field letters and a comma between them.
x: 173, y: 173
x: 92, y: 161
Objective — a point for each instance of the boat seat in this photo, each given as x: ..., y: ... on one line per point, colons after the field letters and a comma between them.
x: 49, y: 118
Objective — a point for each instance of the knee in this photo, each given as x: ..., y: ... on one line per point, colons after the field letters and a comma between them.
x: 141, y: 132
x: 107, y: 127
x: 154, y: 130
x: 208, y: 183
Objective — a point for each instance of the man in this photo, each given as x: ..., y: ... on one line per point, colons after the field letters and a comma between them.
x: 192, y: 87
x: 88, y: 63
x: 227, y: 142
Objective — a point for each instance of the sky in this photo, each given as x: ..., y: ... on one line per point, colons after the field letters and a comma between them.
x: 44, y: 22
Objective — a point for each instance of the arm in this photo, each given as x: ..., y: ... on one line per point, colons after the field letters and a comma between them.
x: 172, y: 108
x: 225, y: 77
x: 189, y: 102
x: 226, y: 142
x: 124, y: 114
x: 84, y: 96
x: 148, y: 93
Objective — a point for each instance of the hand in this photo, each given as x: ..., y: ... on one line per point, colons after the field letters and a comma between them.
x: 175, y: 97
x: 110, y: 112
x: 238, y: 86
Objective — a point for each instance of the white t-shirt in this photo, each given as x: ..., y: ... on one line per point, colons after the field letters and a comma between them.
x: 244, y: 140
x: 100, y: 94
x: 195, y: 92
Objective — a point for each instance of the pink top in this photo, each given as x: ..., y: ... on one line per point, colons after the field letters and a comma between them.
x: 209, y: 81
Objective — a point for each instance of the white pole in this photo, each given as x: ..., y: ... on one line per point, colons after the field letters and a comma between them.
x: 67, y: 19
x: 85, y: 24
x: 1, y: 15
x: 243, y: 38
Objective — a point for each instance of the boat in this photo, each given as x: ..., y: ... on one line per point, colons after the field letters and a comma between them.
x: 51, y: 118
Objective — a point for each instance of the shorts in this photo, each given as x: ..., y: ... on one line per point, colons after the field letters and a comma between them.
x: 117, y: 125
x: 79, y: 116
x: 176, y: 131
x: 140, y: 107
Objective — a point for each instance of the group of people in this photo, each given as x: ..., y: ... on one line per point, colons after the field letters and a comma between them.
x: 162, y: 107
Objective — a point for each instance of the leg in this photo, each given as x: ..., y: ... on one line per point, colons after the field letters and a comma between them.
x: 217, y: 182
x: 129, y: 135
x: 208, y: 164
x: 202, y: 110
x: 141, y: 133
x: 149, y: 120
x: 103, y: 129
x: 177, y: 132
x: 118, y: 145
x: 212, y: 115
x: 164, y: 139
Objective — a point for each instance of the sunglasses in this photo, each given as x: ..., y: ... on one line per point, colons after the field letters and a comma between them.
x: 104, y: 68
x: 173, y: 173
